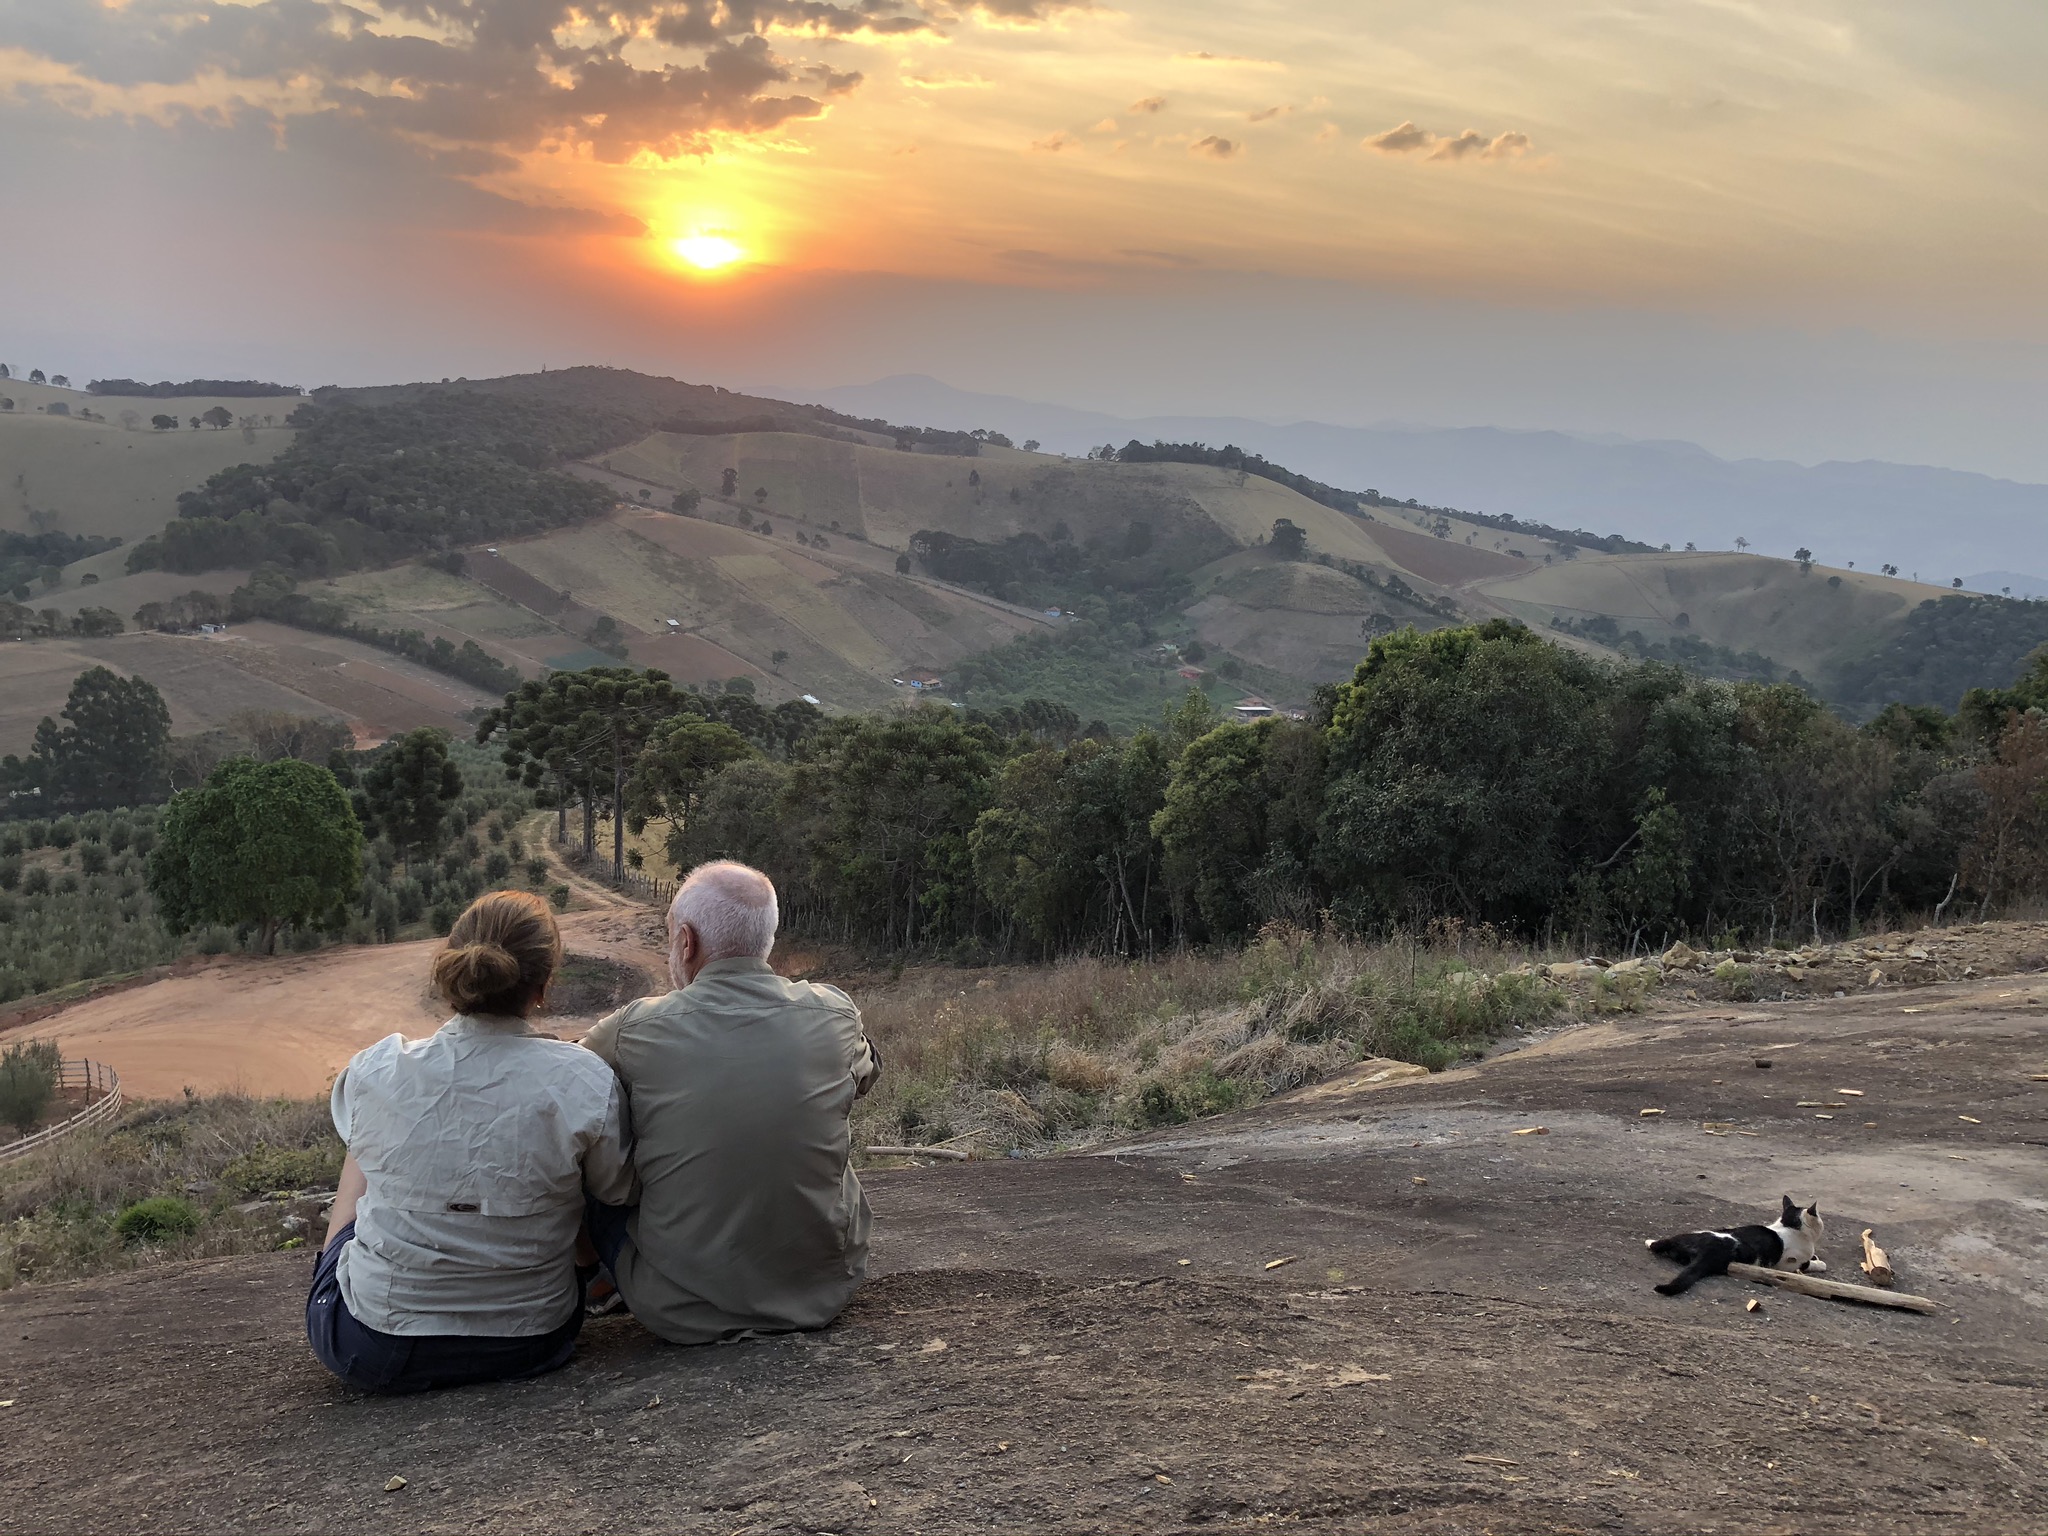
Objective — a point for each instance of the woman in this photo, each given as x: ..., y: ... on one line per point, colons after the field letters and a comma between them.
x: 450, y: 1254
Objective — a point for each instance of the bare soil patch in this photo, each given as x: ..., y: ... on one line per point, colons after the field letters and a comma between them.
x: 1462, y: 1336
x: 284, y: 1026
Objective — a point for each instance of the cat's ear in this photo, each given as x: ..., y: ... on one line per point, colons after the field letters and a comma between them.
x: 1813, y: 1210
x: 1788, y: 1213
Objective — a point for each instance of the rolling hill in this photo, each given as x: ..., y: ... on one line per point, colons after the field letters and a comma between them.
x: 72, y: 475
x: 783, y: 568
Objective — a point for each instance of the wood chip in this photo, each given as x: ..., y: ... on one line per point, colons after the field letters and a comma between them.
x: 1161, y: 1477
x: 936, y: 1347
x: 1418, y: 1181
x: 1534, y: 1130
x: 1490, y: 1461
x: 1823, y: 1117
x: 2038, y: 1077
x: 1876, y: 1262
x: 1971, y: 1118
x: 1276, y: 1263
x: 1645, y: 1113
x: 1753, y: 1305
x: 1854, y: 1093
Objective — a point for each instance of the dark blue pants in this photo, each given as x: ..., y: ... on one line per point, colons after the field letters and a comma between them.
x: 392, y: 1362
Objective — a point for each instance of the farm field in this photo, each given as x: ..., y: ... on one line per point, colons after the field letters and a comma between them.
x: 100, y: 477
x: 206, y: 679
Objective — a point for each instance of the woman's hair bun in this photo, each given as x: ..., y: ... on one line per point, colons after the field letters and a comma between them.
x: 506, y: 971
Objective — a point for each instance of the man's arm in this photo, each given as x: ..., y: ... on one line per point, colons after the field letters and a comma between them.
x: 867, y: 1061
x: 603, y: 1038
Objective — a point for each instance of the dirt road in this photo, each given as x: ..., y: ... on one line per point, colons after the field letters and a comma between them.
x: 1463, y: 1337
x: 284, y: 1026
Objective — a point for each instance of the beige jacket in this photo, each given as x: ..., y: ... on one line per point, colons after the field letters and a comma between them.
x: 478, y: 1143
x: 738, y: 1088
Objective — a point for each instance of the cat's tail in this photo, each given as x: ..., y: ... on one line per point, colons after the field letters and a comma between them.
x: 1713, y: 1258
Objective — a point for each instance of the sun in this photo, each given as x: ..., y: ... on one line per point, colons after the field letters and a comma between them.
x: 708, y: 253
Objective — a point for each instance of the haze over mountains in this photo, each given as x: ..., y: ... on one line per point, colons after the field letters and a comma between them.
x: 1938, y: 523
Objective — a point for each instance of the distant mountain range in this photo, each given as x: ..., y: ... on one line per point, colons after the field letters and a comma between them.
x: 1937, y: 524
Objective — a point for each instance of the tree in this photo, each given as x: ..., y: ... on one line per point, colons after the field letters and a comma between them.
x: 164, y: 423
x: 1803, y: 555
x: 60, y: 380
x: 1031, y: 445
x: 113, y: 750
x: 729, y: 482
x: 1289, y: 541
x: 761, y: 495
x: 409, y: 789
x: 686, y: 501
x: 96, y: 623
x: 776, y: 659
x: 278, y: 733
x: 28, y: 1081
x: 903, y: 565
x: 263, y: 843
x: 585, y: 729
x: 607, y: 636
x: 680, y: 758
x: 1741, y: 543
x: 4, y: 373
x: 218, y: 418
x: 35, y: 375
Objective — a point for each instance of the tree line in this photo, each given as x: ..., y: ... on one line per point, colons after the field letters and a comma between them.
x: 1477, y: 773
x: 364, y: 486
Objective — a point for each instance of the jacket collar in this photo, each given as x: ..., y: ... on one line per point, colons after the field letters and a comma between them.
x: 489, y: 1024
x: 736, y: 965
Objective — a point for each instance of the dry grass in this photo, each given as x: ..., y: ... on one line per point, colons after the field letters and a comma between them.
x: 1089, y: 1049
x: 58, y: 1207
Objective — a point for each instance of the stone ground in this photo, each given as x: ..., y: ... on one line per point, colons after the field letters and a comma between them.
x: 1462, y: 1337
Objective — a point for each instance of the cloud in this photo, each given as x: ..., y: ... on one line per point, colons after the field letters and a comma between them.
x: 1406, y: 137
x: 1160, y: 258
x: 1025, y: 13
x: 947, y: 82
x: 1244, y: 60
x: 1149, y: 104
x: 1215, y: 147
x: 1399, y: 140
x: 1055, y: 143
x: 1268, y: 114
x: 1107, y: 125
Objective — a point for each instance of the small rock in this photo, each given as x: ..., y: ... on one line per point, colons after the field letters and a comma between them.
x: 394, y: 1485
x: 1681, y: 957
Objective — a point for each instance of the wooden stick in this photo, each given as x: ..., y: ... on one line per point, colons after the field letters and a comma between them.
x: 946, y: 1152
x: 1876, y: 1262
x: 1833, y: 1290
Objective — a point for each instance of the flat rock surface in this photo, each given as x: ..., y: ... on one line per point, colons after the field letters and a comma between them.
x: 1463, y: 1337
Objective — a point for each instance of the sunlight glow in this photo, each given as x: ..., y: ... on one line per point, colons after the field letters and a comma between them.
x: 707, y: 253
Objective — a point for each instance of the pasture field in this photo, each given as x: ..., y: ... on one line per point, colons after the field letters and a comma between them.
x: 1802, y: 620
x: 101, y: 477
x: 206, y: 679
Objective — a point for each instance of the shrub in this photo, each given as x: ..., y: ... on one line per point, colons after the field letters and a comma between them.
x: 498, y: 867
x: 157, y: 1219
x: 10, y: 872
x: 35, y: 881
x: 28, y: 1081
x: 63, y: 832
x: 264, y: 1169
x: 536, y: 871
x: 560, y: 897
x: 92, y: 858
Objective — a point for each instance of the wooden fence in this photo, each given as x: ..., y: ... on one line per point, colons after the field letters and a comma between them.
x: 632, y: 882
x: 93, y: 1077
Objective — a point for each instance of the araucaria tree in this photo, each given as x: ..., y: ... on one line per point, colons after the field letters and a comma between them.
x: 409, y: 789
x: 260, y: 843
x: 585, y: 730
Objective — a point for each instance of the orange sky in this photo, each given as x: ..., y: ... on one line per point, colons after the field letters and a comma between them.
x: 1822, y: 165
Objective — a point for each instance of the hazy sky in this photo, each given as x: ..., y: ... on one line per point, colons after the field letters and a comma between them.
x: 1802, y: 229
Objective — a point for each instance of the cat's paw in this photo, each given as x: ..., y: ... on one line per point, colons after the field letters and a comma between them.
x: 1815, y: 1266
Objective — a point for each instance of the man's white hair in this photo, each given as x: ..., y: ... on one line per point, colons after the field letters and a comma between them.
x: 732, y: 909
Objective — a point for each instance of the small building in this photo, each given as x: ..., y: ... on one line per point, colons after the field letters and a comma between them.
x: 921, y: 680
x: 1251, y: 707
x: 811, y: 699
x: 1193, y: 674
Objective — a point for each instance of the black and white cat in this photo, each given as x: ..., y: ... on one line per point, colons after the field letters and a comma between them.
x: 1790, y: 1242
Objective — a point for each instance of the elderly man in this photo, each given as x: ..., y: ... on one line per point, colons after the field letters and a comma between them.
x: 739, y: 1084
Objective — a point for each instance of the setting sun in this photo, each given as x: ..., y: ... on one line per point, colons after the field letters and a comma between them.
x: 707, y: 253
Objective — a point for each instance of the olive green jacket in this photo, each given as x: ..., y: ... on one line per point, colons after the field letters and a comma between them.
x: 750, y: 1216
